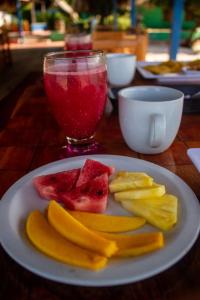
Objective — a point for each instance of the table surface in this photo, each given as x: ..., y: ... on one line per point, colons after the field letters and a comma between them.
x: 29, y: 138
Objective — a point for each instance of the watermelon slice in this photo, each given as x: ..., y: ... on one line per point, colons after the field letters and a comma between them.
x: 92, y: 169
x: 91, y: 196
x: 83, y: 189
x: 52, y: 185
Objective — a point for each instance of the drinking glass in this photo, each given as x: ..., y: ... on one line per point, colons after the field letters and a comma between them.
x: 76, y: 87
x: 78, y: 41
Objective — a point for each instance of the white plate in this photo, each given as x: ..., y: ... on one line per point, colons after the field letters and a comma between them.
x: 188, y: 76
x: 22, y: 198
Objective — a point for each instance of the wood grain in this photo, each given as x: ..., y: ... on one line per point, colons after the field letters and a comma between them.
x: 30, y: 138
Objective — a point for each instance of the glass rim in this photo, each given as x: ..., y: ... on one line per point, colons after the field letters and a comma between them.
x: 56, y: 55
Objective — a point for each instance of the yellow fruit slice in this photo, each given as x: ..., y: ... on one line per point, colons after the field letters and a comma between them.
x: 128, y: 180
x: 160, y: 212
x: 136, y: 244
x: 46, y: 239
x: 108, y: 223
x: 77, y: 233
x: 156, y: 190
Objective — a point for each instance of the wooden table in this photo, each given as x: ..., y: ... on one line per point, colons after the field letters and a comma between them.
x: 30, y: 138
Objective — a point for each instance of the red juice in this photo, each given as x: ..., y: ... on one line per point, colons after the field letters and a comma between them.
x: 78, y: 42
x: 77, y: 98
x: 78, y: 46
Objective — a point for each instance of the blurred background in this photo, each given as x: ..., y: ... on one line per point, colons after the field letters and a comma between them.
x: 153, y: 29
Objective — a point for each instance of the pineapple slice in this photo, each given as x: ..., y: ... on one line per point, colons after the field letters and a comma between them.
x: 160, y: 212
x: 128, y: 180
x: 156, y: 190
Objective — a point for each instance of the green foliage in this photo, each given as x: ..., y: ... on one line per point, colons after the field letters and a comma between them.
x: 50, y: 16
x: 153, y: 17
x: 195, y: 35
x: 54, y: 15
x: 123, y: 21
x: 41, y: 17
x: 191, y: 8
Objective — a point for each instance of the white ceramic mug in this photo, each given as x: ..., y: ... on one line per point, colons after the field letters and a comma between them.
x: 121, y: 68
x: 150, y: 117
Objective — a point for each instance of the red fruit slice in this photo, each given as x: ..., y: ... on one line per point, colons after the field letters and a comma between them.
x: 91, y: 197
x: 92, y: 169
x: 51, y: 185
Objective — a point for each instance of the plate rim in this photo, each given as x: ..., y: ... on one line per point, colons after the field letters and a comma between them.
x: 81, y: 282
x: 175, y: 76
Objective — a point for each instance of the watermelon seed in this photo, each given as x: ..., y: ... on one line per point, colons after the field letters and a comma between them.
x: 99, y: 192
x: 53, y: 179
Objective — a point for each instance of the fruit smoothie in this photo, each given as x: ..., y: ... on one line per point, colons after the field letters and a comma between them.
x: 77, y: 97
x: 78, y: 42
x: 78, y: 46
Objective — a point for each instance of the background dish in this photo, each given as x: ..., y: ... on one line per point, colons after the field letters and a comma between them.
x: 22, y: 198
x: 169, y: 76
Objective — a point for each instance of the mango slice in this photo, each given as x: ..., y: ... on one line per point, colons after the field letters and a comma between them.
x: 127, y: 180
x: 156, y: 190
x: 108, y: 223
x: 161, y: 212
x: 50, y: 242
x: 136, y: 244
x: 77, y: 233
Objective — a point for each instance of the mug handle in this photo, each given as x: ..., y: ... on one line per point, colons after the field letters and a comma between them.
x: 157, y: 130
